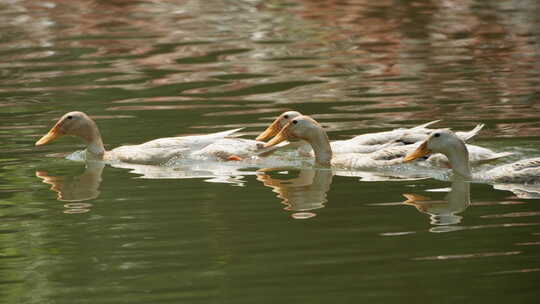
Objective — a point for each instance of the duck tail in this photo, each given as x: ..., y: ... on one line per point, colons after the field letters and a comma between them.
x: 423, y: 126
x: 227, y: 133
x: 470, y: 134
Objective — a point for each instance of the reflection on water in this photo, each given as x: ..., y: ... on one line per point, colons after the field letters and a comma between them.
x: 209, y: 171
x: 303, y: 193
x: 443, y: 213
x: 76, y: 188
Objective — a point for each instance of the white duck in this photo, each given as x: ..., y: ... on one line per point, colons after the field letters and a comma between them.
x: 446, y: 142
x: 371, y: 142
x: 306, y: 128
x: 155, y: 151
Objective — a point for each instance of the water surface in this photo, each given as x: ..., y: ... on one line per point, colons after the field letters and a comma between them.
x: 149, y: 69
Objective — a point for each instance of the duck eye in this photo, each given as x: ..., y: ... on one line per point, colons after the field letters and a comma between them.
x: 437, y: 134
x: 69, y: 117
x: 295, y: 121
x: 286, y: 116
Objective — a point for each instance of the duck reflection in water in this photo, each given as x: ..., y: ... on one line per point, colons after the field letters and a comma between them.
x: 301, y: 194
x: 76, y: 189
x: 443, y: 213
x: 83, y: 187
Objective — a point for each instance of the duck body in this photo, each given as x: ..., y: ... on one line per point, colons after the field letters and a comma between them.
x: 525, y: 171
x: 226, y: 148
x: 136, y: 154
x: 307, y: 129
x: 153, y: 152
x: 162, y: 150
x: 395, y: 141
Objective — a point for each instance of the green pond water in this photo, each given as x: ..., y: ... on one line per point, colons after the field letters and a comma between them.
x: 76, y: 233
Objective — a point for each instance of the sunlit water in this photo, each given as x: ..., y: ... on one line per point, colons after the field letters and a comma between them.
x: 219, y: 233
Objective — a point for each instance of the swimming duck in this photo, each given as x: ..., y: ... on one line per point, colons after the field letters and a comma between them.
x: 156, y: 151
x: 306, y: 128
x: 371, y: 142
x: 446, y: 142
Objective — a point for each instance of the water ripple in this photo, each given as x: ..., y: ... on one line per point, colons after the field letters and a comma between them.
x: 467, y: 256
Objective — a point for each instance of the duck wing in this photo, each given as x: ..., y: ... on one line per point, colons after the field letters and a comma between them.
x: 146, y: 156
x: 193, y: 142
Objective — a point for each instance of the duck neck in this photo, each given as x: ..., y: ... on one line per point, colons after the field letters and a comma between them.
x: 321, y: 148
x: 94, y: 143
x: 458, y: 157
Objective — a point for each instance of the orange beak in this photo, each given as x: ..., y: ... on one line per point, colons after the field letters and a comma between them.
x: 272, y: 130
x: 419, y: 152
x: 283, y: 135
x: 53, y: 134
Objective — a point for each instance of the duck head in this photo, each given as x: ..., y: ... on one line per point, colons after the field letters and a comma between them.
x: 278, y: 124
x: 306, y: 128
x: 75, y: 124
x: 446, y: 142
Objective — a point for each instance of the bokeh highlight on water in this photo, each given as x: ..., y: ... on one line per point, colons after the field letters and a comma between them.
x: 149, y: 69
